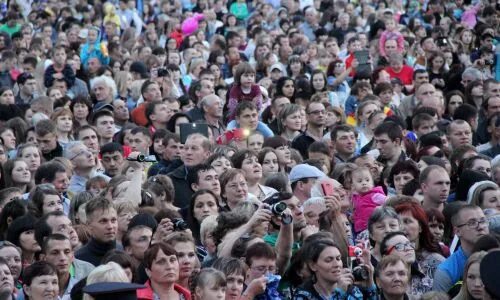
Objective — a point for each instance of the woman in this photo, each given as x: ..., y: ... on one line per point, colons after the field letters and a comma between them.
x: 453, y: 100
x: 247, y: 161
x: 43, y: 200
x: 485, y: 194
x: 285, y: 87
x: 436, y: 221
x: 40, y: 282
x: 382, y: 221
x: 21, y: 233
x: 185, y: 248
x: 392, y: 277
x: 414, y: 224
x: 296, y: 68
x: 472, y: 285
x: 234, y: 270
x: 436, y: 69
x: 289, y: 121
x: 162, y: 268
x: 401, y: 173
x: 63, y: 119
x: 234, y: 188
x: 323, y: 259
x: 396, y: 243
x: 203, y: 203
x: 282, y: 149
x: 474, y: 93
x: 219, y: 162
x: 7, y: 96
x: 176, y: 120
x: 12, y: 255
x: 9, y: 139
x: 31, y: 155
x: 17, y: 174
x: 81, y: 108
x: 268, y: 159
x: 318, y: 85
x: 365, y: 132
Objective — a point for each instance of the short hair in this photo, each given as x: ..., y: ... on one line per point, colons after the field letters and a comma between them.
x: 387, y: 261
x: 111, y: 148
x: 387, y: 237
x: 84, y: 127
x: 180, y: 237
x: 193, y: 175
x: 152, y: 252
x: 140, y: 129
x: 110, y: 272
x: 242, y: 68
x: 227, y: 176
x: 230, y: 265
x: 381, y: 213
x: 37, y: 269
x: 338, y: 128
x: 126, y: 237
x: 259, y: 250
x: 319, y: 147
x: 426, y: 172
x: 108, y: 81
x: 392, y: 129
x: 205, y: 144
x: 170, y: 136
x: 99, y: 203
x: 465, y: 112
x: 6, y: 192
x: 238, y: 157
x: 52, y: 237
x: 69, y: 147
x: 45, y: 127
x: 37, y: 197
x: 243, y: 105
x: 456, y: 218
x: 48, y: 171
x: 419, y: 119
x: 101, y: 113
x: 150, y: 109
x: 407, y: 166
x: 208, y: 225
x: 382, y: 87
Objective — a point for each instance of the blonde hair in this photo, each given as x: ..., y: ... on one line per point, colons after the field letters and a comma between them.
x: 110, y: 272
x: 474, y: 258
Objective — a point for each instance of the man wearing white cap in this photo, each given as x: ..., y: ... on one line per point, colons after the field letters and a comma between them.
x: 302, y: 177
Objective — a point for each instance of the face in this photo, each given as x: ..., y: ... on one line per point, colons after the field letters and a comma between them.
x: 465, y: 229
x: 362, y: 182
x: 62, y: 225
x: 205, y: 205
x: 27, y: 241
x: 437, y: 230
x: 491, y: 199
x: 293, y: 122
x: 51, y: 203
x: 9, y: 139
x: 345, y: 143
x: 31, y: 156
x: 21, y: 173
x: 6, y: 280
x: 164, y: 269
x: 255, y: 142
x: 312, y: 213
x: 401, y: 246
x: 7, y: 97
x: 234, y: 286
x: 252, y: 169
x: 248, y: 119
x: 45, y: 287
x: 211, y: 292
x: 60, y: 255
x: 193, y: 152
x: 316, y: 114
x: 236, y: 190
x: 209, y: 180
x: 284, y: 154
x: 260, y: 267
x: 381, y: 228
x: 483, y: 166
x: 400, y: 180
x: 221, y: 164
x: 139, y: 142
x: 410, y: 226
x: 105, y: 126
x: 437, y: 186
x: 13, y: 258
x: 393, y: 280
x: 328, y: 266
x: 112, y: 163
x: 473, y: 281
x: 187, y: 258
x: 61, y: 182
x: 89, y: 139
x: 139, y: 242
x: 121, y: 110
x: 288, y: 89
x: 388, y: 148
x: 80, y: 111
x: 102, y: 91
x: 103, y: 225
x: 82, y: 158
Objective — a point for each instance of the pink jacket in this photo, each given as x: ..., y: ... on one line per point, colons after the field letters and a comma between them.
x: 364, y: 205
x: 148, y: 294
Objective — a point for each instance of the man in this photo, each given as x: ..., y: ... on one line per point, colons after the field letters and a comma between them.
x: 46, y: 137
x: 172, y: 149
x: 103, y: 225
x: 247, y: 117
x: 121, y: 113
x: 56, y: 222
x: 212, y: 107
x: 88, y: 135
x: 388, y: 137
x: 27, y: 89
x: 343, y: 142
x: 139, y: 140
x: 435, y: 186
x: 409, y: 103
x: 112, y: 159
x: 491, y: 105
x: 316, y: 121
x: 491, y: 88
x: 353, y: 45
x: 59, y: 69
x: 83, y: 162
x: 136, y: 241
x: 311, y: 24
x: 422, y: 124
x: 204, y: 176
x: 196, y: 150
x: 54, y: 173
x: 302, y: 178
x: 158, y: 115
x: 491, y: 148
x: 104, y: 122
x: 150, y: 91
x: 469, y: 224
x: 459, y: 133
x: 277, y: 105
x: 57, y: 250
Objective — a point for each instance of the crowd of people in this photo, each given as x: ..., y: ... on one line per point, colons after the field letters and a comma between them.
x: 264, y: 149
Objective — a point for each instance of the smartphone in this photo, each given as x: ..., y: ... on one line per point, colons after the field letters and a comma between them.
x: 190, y: 128
x: 362, y: 56
x: 327, y: 188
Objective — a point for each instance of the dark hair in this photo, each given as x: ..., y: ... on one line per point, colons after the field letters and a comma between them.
x: 18, y: 226
x: 193, y: 175
x: 52, y: 237
x: 152, y: 252
x: 230, y: 265
x: 259, y: 250
x: 465, y: 112
x: 12, y: 210
x: 312, y: 250
x: 42, y: 228
x: 173, y: 119
x: 392, y: 129
x: 238, y: 157
x: 193, y: 223
x: 407, y: 166
x: 37, y: 198
x: 37, y: 269
x: 48, y: 171
x: 111, y: 148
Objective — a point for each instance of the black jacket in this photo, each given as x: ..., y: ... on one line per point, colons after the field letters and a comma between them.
x: 183, y: 191
x: 94, y: 251
x: 57, y: 152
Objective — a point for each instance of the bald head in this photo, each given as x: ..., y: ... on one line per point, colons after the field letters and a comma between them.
x: 425, y: 90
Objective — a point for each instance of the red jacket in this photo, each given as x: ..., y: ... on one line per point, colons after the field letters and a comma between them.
x: 148, y: 294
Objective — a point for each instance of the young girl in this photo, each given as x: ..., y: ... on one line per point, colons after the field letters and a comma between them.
x: 391, y: 33
x: 244, y: 89
x: 365, y: 197
x: 209, y: 284
x: 94, y: 48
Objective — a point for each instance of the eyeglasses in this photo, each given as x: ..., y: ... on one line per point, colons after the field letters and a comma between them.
x: 80, y: 153
x: 401, y: 247
x: 317, y: 112
x: 473, y: 224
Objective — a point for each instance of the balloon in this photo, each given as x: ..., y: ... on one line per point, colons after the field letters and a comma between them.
x: 190, y: 25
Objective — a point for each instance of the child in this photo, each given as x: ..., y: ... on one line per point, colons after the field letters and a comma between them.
x: 244, y: 89
x: 208, y: 283
x: 391, y: 33
x: 365, y: 197
x: 94, y: 48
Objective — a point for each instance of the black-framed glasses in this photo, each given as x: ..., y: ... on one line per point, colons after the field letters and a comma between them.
x: 473, y: 224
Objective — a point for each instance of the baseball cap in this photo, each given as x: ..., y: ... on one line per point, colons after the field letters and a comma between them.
x: 304, y: 171
x: 113, y: 290
x: 277, y: 66
x: 101, y: 106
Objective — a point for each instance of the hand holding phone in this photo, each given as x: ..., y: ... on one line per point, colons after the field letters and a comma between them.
x: 327, y: 188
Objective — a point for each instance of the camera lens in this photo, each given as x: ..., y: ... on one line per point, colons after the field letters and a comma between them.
x: 179, y: 224
x: 278, y: 208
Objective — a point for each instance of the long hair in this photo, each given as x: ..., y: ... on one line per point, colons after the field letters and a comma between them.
x: 464, y: 291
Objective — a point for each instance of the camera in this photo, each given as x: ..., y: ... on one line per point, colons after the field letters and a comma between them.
x: 360, y: 273
x: 143, y: 158
x: 162, y: 72
x: 278, y: 208
x: 179, y: 224
x: 441, y: 41
x: 488, y: 62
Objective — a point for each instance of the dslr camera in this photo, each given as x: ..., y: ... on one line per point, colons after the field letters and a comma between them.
x: 277, y: 206
x: 179, y: 224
